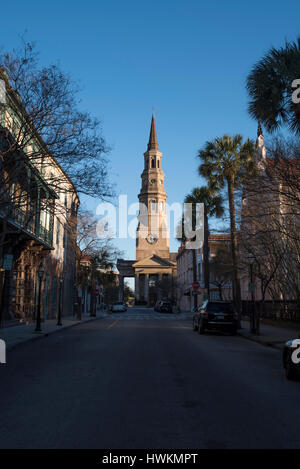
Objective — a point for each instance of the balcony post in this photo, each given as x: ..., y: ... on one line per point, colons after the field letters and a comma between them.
x: 38, y: 212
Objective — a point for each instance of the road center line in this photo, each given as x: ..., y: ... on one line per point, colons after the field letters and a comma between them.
x: 112, y: 325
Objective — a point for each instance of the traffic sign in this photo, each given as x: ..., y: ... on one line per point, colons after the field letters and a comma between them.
x: 195, y: 286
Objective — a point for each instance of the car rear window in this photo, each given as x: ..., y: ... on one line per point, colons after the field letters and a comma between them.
x: 220, y: 307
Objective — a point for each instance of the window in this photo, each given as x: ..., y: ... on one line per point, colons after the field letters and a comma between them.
x: 220, y: 307
x: 153, y: 205
x: 73, y: 209
x: 158, y: 163
x: 12, y: 191
x: 153, y: 163
x: 199, y: 271
x: 64, y: 238
x: 57, y: 231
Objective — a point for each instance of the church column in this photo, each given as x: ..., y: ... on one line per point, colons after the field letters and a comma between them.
x: 160, y: 285
x: 136, y: 288
x: 121, y: 287
x: 147, y: 288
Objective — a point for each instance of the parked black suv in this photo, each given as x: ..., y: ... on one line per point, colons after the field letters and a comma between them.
x: 217, y: 315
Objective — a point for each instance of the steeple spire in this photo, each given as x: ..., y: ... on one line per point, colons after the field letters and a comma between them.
x: 261, y: 149
x: 153, y: 144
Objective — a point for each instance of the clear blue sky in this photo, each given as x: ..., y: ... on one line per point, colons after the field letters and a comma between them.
x: 188, y: 59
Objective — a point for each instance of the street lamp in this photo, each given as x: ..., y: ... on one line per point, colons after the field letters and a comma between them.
x: 41, y: 271
x: 253, y: 328
x: 61, y: 281
x: 85, y: 290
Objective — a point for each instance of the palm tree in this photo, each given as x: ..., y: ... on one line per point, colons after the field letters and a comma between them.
x: 212, y: 207
x: 226, y: 161
x: 221, y: 269
x: 269, y: 85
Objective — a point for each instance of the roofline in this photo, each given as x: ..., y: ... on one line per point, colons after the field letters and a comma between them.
x: 212, y: 237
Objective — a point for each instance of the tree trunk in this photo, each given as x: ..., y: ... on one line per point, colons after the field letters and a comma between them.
x: 195, y: 275
x: 234, y: 247
x: 206, y: 252
x: 220, y: 292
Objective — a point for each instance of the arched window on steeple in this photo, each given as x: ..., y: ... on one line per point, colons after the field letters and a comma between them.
x: 158, y: 163
x: 153, y: 163
x: 153, y: 206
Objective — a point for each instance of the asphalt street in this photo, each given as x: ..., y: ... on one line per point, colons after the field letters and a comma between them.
x: 145, y: 380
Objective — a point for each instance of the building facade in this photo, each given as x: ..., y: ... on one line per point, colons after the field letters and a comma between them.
x: 185, y: 274
x: 38, y: 212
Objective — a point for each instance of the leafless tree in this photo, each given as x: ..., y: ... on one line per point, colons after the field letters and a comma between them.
x: 100, y: 253
x: 47, y: 143
x: 49, y: 99
x: 221, y: 269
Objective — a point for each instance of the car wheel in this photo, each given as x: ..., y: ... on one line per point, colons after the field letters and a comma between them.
x: 290, y: 371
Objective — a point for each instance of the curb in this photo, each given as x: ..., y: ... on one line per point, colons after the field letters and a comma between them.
x: 46, y: 334
x: 261, y: 342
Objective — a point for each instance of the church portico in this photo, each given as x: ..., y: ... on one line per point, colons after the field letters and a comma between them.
x: 149, y: 274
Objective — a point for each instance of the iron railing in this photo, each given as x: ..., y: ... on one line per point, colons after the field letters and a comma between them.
x: 274, y: 310
x: 26, y: 221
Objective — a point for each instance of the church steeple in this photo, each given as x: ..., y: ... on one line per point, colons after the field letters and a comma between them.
x: 152, y: 231
x: 153, y: 144
x: 260, y: 147
x: 259, y: 129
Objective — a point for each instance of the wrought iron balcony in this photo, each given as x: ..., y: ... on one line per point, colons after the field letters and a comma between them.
x: 27, y: 222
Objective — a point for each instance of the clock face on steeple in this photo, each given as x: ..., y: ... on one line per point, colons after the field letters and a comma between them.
x: 152, y: 239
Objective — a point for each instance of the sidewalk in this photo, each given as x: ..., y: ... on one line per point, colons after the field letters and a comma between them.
x: 19, y: 334
x: 272, y: 336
